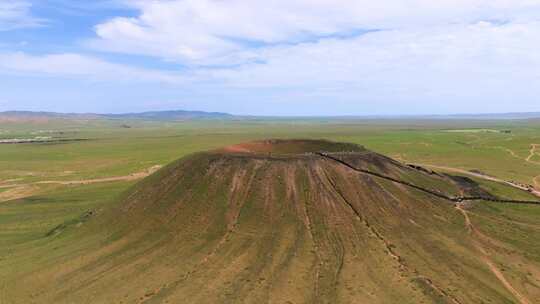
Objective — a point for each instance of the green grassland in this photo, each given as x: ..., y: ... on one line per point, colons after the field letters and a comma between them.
x: 110, y: 150
x: 103, y: 149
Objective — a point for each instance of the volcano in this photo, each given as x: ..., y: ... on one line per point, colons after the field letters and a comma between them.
x: 288, y: 221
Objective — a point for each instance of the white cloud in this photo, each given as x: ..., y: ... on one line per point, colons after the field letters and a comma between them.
x: 480, y: 67
x: 16, y: 14
x: 462, y: 51
x: 80, y: 66
x: 200, y: 31
x: 442, y: 55
x: 425, y: 50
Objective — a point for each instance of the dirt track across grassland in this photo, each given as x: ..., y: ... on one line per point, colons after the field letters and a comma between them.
x: 133, y: 176
x: 486, y: 177
x: 18, y: 191
x: 532, y: 153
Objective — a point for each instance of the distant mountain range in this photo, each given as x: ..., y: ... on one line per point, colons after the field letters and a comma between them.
x: 181, y: 115
x: 177, y: 115
x: 170, y: 115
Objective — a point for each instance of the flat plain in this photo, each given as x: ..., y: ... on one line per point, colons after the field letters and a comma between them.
x: 86, y: 166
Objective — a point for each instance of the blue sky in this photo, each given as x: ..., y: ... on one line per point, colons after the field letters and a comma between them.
x: 303, y: 57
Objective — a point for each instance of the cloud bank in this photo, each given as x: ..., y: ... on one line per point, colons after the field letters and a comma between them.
x: 197, y: 31
x: 444, y: 56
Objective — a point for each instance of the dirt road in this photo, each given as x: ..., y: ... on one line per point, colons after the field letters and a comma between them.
x: 133, y: 176
x: 483, y: 176
x: 18, y: 191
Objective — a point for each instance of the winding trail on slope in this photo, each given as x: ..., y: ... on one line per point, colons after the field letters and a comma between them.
x: 389, y: 249
x: 485, y: 257
x: 459, y: 206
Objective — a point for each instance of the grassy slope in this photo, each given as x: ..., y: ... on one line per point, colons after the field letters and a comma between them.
x: 267, y: 230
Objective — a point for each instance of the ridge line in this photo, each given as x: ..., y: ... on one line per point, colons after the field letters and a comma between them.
x: 455, y: 199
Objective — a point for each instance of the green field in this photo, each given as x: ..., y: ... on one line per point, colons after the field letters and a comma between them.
x: 34, y: 206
